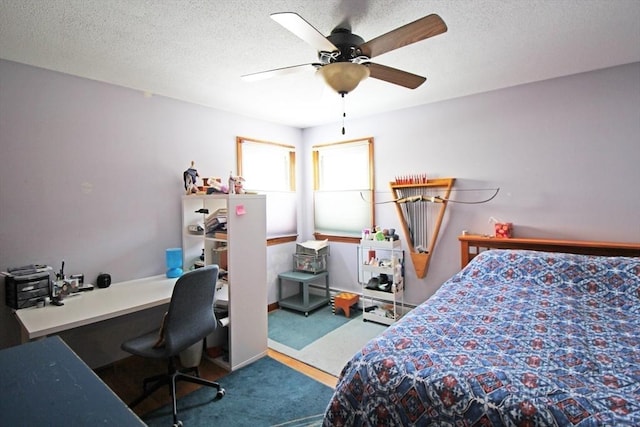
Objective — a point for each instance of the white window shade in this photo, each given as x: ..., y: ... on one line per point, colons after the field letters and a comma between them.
x: 281, y: 214
x: 342, y: 213
x: 343, y: 187
x: 269, y: 168
x: 266, y: 167
x: 344, y: 167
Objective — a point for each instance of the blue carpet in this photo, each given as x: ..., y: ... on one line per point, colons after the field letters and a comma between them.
x: 265, y: 393
x: 296, y: 331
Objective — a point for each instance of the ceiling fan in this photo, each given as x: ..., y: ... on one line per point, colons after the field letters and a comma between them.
x: 345, y: 58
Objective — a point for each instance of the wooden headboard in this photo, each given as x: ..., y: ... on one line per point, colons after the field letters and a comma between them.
x: 472, y: 245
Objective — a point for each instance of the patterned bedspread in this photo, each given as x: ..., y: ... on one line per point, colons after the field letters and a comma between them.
x: 517, y: 338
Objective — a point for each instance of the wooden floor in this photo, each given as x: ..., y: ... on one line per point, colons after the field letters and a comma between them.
x: 125, y: 378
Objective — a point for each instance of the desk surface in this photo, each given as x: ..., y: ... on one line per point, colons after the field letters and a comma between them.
x: 94, y: 306
x: 45, y: 383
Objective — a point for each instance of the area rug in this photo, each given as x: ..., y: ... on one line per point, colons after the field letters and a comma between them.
x: 264, y: 393
x: 331, y: 351
x: 295, y: 330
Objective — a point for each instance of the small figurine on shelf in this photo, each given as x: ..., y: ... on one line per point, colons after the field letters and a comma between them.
x: 239, y: 187
x: 235, y: 184
x: 190, y: 177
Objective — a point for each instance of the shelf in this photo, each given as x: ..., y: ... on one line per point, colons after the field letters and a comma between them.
x: 224, y: 364
x: 214, y: 239
x: 391, y: 254
x: 295, y: 302
x: 241, y: 336
x: 379, y: 319
x: 304, y: 300
x: 376, y: 269
x: 222, y: 295
x: 381, y: 244
x: 382, y: 295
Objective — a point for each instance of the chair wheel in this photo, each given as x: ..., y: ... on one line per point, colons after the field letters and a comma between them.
x: 178, y: 424
x: 220, y: 394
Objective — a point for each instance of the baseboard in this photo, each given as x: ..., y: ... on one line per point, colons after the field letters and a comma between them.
x: 272, y: 306
x: 275, y: 306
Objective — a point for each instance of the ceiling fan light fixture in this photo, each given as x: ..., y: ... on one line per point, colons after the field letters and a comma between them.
x: 343, y: 77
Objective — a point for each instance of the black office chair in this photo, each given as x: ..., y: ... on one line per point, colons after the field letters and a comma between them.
x: 189, y: 320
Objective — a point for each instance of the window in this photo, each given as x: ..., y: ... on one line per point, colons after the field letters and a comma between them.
x: 343, y: 189
x: 269, y: 168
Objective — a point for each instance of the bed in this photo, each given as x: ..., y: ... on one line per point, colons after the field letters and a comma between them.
x: 517, y: 337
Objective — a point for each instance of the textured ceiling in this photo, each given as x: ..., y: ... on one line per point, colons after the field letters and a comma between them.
x: 197, y: 50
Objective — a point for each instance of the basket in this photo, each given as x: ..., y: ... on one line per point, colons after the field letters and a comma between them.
x: 310, y: 263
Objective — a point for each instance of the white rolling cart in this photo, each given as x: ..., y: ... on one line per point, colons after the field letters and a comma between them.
x: 381, y: 274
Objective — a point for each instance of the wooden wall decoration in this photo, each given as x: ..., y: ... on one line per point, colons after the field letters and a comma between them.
x: 421, y: 207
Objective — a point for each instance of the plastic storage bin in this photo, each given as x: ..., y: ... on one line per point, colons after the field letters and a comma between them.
x: 26, y: 291
x: 310, y: 263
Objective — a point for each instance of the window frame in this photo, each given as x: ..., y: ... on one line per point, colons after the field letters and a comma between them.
x: 241, y: 142
x: 370, y: 180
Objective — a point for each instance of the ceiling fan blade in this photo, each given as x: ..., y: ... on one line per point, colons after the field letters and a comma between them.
x: 423, y: 28
x: 395, y: 76
x: 262, y: 75
x: 301, y: 28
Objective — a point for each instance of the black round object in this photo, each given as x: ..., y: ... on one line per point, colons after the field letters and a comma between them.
x: 373, y: 283
x: 104, y: 280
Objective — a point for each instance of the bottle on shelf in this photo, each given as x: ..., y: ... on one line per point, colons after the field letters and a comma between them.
x: 232, y: 183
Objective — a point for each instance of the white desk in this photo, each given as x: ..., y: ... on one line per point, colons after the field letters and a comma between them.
x: 94, y: 306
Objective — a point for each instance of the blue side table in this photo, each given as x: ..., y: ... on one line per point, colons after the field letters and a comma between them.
x: 304, y: 301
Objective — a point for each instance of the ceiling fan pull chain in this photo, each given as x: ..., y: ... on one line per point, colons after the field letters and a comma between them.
x: 344, y: 114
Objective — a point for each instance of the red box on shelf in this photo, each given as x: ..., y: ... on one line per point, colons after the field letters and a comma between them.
x: 504, y: 230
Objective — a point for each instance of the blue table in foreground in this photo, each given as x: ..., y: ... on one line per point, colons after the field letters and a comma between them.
x: 303, y: 301
x: 44, y: 383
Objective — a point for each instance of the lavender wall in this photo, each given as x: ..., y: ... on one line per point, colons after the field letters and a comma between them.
x: 564, y: 152
x: 91, y: 173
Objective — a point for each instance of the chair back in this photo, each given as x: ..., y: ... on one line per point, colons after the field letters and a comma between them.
x: 191, y: 317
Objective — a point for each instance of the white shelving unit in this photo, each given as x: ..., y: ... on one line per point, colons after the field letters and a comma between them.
x: 242, y: 252
x: 376, y: 258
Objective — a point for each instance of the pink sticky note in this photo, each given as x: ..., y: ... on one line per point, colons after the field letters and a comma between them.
x: 240, y: 210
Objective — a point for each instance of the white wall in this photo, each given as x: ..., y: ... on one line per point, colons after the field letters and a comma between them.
x: 564, y: 152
